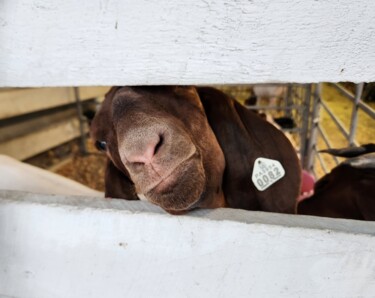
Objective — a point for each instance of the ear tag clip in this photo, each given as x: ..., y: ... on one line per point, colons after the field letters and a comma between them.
x: 266, y: 172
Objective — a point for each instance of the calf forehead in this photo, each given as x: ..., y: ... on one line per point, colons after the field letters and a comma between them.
x: 167, y: 93
x: 157, y: 101
x: 130, y: 92
x: 145, y: 92
x: 147, y: 98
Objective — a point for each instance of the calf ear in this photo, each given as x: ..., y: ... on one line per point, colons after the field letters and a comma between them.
x: 89, y: 114
x: 244, y: 137
x: 100, y: 123
x: 117, y: 184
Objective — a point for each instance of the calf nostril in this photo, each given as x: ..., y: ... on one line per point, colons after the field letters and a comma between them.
x: 143, y: 151
x: 159, y: 144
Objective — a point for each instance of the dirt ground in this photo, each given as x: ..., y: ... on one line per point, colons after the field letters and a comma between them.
x: 68, y: 160
x: 89, y: 169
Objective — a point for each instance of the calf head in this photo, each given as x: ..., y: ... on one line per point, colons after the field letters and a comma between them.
x: 160, y: 147
x: 185, y: 147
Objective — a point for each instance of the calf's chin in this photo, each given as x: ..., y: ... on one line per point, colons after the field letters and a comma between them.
x: 182, y: 190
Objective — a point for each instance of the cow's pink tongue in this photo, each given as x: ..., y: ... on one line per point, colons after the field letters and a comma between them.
x: 307, y: 187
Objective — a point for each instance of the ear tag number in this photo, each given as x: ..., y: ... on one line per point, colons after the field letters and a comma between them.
x: 266, y: 172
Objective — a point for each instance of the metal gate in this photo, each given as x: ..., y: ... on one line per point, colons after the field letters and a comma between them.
x: 305, y: 104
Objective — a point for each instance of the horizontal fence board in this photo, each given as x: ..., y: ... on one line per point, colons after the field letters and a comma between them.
x: 16, y: 102
x: 16, y: 175
x: 140, y: 42
x: 41, y: 140
x: 28, y: 125
x: 56, y: 246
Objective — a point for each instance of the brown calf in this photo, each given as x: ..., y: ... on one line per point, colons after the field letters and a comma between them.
x: 185, y: 147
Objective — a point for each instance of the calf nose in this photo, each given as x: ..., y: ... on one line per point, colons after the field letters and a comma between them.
x: 145, y: 149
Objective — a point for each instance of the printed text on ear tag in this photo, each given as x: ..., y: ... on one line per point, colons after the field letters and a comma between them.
x: 266, y: 172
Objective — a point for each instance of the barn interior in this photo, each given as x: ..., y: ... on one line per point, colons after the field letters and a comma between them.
x: 306, y: 67
x: 49, y: 127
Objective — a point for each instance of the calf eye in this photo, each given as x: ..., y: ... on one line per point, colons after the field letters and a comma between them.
x: 101, y: 145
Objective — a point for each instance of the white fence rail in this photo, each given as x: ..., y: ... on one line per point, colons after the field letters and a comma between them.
x: 90, y: 247
x: 139, y: 42
x: 56, y: 247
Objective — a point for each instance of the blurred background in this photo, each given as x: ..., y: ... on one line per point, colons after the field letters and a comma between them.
x: 49, y: 128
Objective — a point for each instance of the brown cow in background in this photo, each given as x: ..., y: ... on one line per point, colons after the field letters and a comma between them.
x: 348, y: 191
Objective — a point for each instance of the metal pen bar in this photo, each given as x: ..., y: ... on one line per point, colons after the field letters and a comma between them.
x: 324, y: 136
x: 81, y: 120
x: 344, y: 91
x: 322, y: 163
x: 288, y: 101
x: 327, y: 142
x: 362, y: 105
x: 301, y: 91
x: 335, y: 120
x: 298, y: 112
x: 305, y: 124
x: 367, y: 109
x: 313, y: 127
x: 354, y: 118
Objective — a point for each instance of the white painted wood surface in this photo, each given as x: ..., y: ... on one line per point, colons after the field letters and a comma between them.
x: 16, y: 175
x: 16, y: 102
x: 138, y: 42
x: 87, y: 247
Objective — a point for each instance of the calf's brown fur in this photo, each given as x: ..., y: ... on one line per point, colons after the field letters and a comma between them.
x: 185, y: 147
x: 348, y: 191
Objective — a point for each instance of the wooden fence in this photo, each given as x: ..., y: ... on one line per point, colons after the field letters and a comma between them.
x: 35, y: 120
x: 60, y: 247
